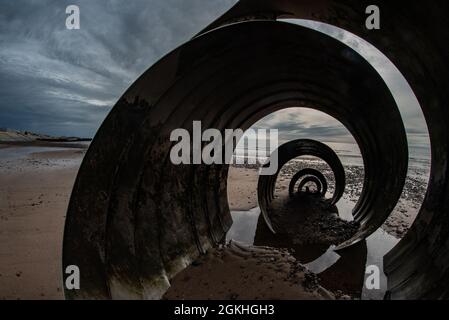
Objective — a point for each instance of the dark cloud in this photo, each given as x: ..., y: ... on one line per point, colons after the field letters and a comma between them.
x: 64, y: 82
x: 60, y: 81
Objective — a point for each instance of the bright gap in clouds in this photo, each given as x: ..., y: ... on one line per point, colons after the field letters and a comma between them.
x: 304, y: 123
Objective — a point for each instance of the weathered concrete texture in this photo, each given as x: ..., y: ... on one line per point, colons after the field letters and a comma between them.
x: 135, y: 219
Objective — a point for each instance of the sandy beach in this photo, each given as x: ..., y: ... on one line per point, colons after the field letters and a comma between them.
x: 35, y: 187
x: 238, y: 272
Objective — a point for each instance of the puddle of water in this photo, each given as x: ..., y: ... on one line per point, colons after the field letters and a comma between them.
x: 13, y: 153
x: 324, y: 262
x: 345, y: 207
x: 378, y: 244
x: 10, y: 157
x: 244, y: 226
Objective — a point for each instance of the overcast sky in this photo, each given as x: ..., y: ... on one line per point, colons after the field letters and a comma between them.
x: 64, y: 82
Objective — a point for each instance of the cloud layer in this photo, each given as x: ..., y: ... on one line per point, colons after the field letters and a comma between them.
x: 64, y: 82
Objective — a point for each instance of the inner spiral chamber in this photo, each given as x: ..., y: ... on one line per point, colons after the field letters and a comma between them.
x: 289, y: 151
x: 135, y: 220
x: 319, y: 180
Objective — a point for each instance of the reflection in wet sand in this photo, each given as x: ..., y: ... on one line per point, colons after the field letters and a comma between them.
x: 342, y: 272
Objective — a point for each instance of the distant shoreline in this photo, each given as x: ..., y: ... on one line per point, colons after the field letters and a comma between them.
x: 45, y: 143
x: 27, y: 138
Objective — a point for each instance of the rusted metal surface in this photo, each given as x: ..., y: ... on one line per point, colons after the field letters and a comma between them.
x: 135, y: 219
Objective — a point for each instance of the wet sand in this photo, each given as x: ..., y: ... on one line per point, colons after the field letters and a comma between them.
x: 238, y: 272
x: 305, y: 228
x: 34, y: 194
x: 35, y: 186
x: 242, y: 191
x: 242, y: 188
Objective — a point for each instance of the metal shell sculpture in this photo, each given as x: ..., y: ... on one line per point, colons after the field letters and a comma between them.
x: 135, y: 220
